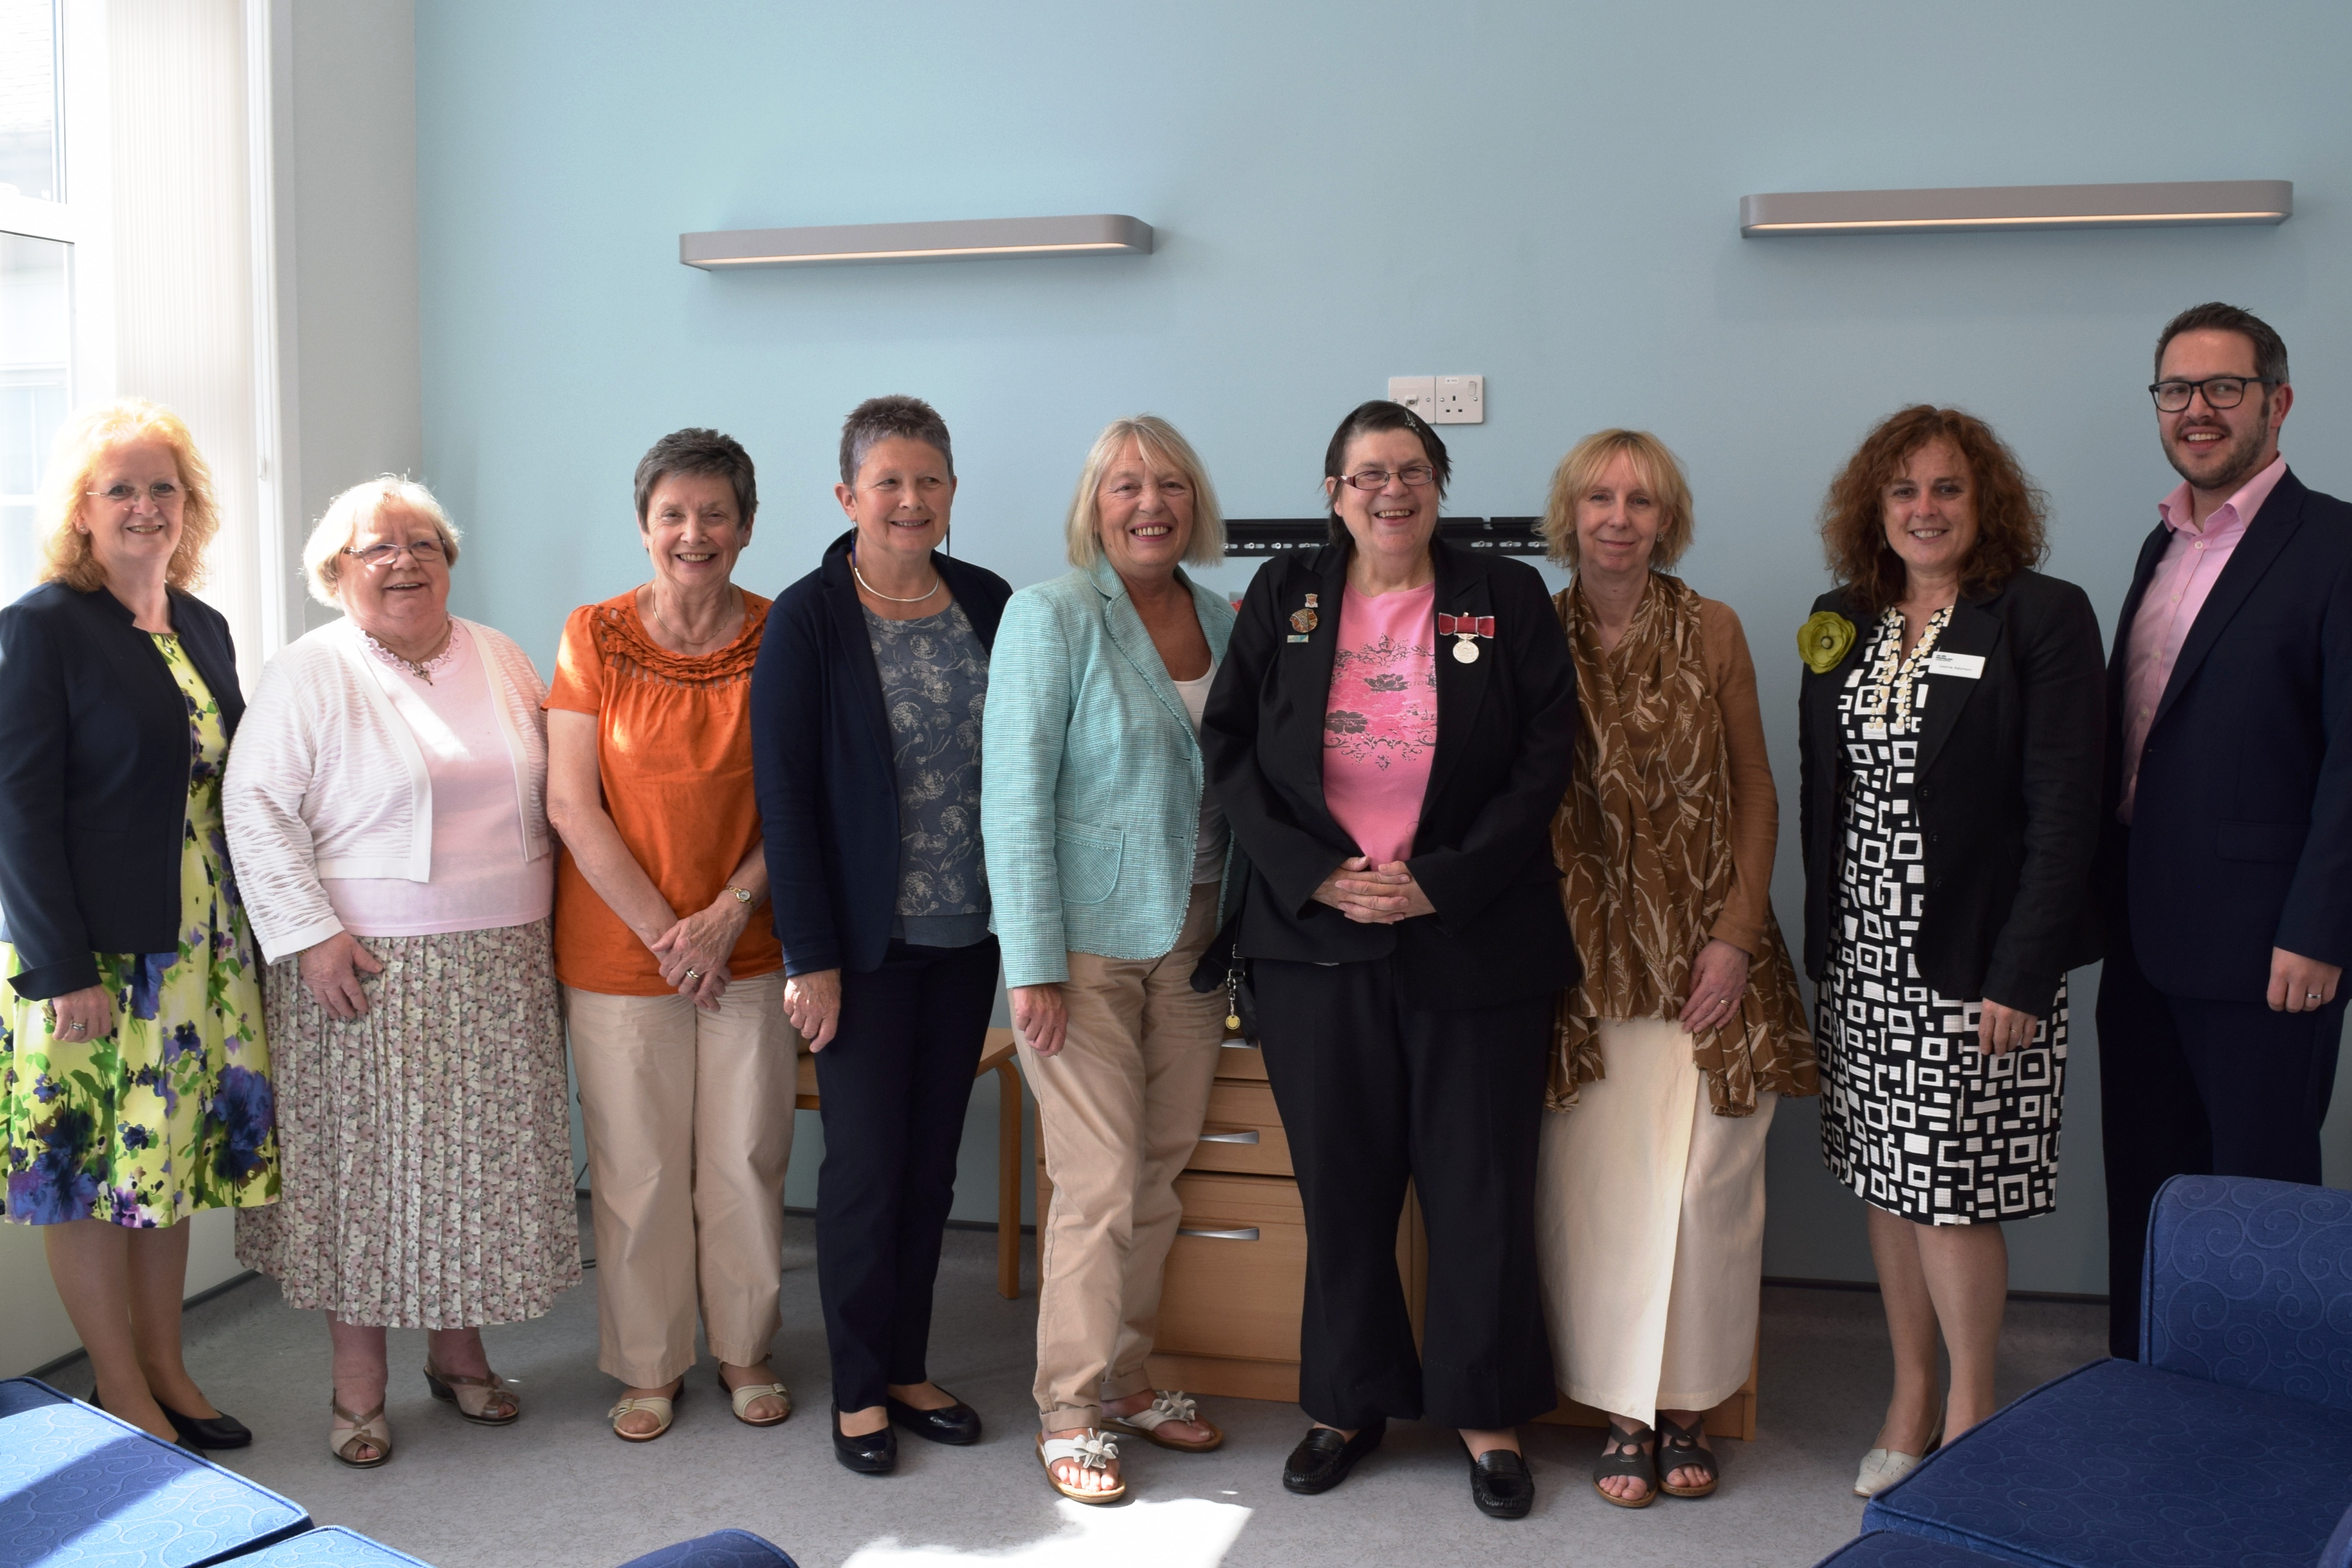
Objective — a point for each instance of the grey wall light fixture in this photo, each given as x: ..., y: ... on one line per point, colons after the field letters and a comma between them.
x: 961, y: 239
x: 2160, y: 205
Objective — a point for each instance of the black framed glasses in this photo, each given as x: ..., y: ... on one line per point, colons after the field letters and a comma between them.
x: 423, y: 552
x: 2221, y: 392
x: 1413, y: 474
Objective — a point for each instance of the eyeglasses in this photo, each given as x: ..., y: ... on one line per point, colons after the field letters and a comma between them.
x: 1413, y: 474
x: 2221, y: 392
x: 162, y: 493
x: 423, y: 552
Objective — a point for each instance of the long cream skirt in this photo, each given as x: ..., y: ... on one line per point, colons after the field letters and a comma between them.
x: 1650, y: 1230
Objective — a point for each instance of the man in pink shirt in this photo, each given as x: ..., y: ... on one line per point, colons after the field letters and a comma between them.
x: 2226, y: 861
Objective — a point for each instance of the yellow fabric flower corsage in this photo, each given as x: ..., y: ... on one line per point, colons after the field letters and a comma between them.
x: 1823, y: 640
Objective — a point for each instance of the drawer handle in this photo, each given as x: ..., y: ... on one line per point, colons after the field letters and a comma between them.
x: 1239, y: 1044
x: 1246, y: 1135
x: 1245, y: 1233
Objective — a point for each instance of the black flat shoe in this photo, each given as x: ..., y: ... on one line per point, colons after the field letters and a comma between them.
x: 958, y: 1423
x: 875, y: 1454
x: 1500, y: 1484
x: 193, y: 1432
x: 1324, y: 1458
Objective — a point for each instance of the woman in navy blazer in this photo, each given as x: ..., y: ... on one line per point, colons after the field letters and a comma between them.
x: 134, y: 1085
x: 866, y: 713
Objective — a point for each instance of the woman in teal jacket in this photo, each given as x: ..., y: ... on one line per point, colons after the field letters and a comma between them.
x: 1108, y: 865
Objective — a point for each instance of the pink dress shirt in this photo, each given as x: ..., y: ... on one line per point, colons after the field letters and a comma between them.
x: 1379, y: 726
x: 2192, y: 562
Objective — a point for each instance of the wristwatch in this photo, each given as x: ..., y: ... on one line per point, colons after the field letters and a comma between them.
x: 742, y: 895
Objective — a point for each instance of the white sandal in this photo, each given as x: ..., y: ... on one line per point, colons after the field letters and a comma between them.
x: 1165, y: 1407
x: 347, y: 1431
x: 1092, y: 1450
x: 744, y: 1396
x: 655, y: 1405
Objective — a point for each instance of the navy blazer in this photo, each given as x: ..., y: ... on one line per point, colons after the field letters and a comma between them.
x: 1506, y: 743
x: 822, y: 767
x: 94, y: 764
x: 2006, y: 789
x: 2240, y: 838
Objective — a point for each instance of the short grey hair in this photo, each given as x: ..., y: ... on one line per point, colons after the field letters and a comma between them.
x: 879, y: 419
x: 339, y: 523
x: 1164, y: 451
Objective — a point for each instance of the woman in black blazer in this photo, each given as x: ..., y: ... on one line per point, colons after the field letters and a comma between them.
x: 1390, y: 735
x: 866, y: 716
x: 1951, y: 748
x: 134, y: 1082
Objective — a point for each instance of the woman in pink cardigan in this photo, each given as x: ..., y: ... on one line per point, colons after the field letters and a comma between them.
x: 386, y: 808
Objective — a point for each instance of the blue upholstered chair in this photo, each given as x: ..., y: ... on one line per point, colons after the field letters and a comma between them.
x: 332, y: 1547
x: 2229, y: 1442
x: 719, y: 1549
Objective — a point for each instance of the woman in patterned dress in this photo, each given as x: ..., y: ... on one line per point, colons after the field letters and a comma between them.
x: 134, y: 1083
x: 1951, y: 762
x: 384, y: 802
x: 866, y: 712
x: 1688, y: 1029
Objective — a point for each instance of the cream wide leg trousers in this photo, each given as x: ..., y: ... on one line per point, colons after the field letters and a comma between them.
x: 1650, y: 1231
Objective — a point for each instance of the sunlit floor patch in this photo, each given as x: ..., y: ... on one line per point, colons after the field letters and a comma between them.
x: 1188, y: 1532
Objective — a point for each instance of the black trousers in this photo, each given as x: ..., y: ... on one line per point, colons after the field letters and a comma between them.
x: 892, y: 1087
x: 1373, y: 1093
x: 2197, y: 1088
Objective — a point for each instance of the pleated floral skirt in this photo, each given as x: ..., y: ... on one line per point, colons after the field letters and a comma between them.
x: 426, y: 1147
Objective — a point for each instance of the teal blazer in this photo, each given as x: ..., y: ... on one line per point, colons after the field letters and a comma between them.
x: 1091, y: 777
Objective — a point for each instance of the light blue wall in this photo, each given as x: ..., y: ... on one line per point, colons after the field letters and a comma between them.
x: 1541, y: 193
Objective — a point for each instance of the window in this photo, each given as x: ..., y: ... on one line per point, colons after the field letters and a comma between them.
x: 35, y: 276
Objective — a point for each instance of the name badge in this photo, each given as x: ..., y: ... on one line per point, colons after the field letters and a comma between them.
x: 1968, y: 667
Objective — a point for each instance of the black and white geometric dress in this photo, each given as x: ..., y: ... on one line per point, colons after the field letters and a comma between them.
x: 1916, y: 1118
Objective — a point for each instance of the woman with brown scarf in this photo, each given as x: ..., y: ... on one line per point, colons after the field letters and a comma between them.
x: 1688, y: 1027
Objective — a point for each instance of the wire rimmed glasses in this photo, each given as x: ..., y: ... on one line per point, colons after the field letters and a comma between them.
x: 423, y: 552
x: 1413, y: 474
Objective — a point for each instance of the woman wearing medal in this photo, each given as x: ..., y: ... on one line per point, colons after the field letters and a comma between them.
x: 1390, y: 735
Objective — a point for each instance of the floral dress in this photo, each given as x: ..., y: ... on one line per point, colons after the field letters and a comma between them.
x: 173, y: 1111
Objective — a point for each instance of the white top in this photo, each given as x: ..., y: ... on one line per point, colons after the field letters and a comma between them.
x: 1208, y: 848
x: 327, y: 781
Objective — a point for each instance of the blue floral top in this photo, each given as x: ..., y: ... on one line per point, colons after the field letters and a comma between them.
x: 934, y: 689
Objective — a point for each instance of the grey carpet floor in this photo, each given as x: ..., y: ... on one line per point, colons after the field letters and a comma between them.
x: 557, y: 1488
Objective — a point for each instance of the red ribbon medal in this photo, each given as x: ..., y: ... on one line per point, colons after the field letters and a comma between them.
x: 1465, y: 629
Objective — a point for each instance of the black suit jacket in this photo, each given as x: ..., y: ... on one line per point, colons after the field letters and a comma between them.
x: 94, y: 777
x: 1505, y: 741
x: 2007, y: 793
x: 2240, y: 838
x: 822, y: 763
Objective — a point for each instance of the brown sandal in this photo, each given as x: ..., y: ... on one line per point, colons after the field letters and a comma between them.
x: 370, y: 1428
x: 1624, y: 1453
x: 477, y: 1399
x: 1683, y: 1448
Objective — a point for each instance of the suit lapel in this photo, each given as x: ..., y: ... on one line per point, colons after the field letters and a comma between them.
x: 857, y: 647
x: 1306, y: 668
x: 1462, y: 589
x: 1820, y: 692
x: 2266, y: 535
x: 1133, y: 640
x: 1973, y: 630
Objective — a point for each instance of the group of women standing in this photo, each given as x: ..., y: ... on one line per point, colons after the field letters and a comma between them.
x: 1490, y: 867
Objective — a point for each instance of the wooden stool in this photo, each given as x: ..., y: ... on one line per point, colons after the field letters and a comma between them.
x: 997, y: 1055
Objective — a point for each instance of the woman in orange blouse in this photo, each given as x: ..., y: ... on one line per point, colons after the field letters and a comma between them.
x: 674, y: 991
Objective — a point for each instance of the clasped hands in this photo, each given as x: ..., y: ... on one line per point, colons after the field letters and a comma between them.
x: 1374, y: 895
x: 702, y: 943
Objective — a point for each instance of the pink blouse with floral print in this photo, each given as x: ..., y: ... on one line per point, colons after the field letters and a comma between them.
x: 1379, y: 728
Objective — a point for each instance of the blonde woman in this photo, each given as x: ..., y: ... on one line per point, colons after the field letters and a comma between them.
x: 1108, y: 862
x: 1687, y: 1029
x: 386, y: 805
x: 134, y: 1082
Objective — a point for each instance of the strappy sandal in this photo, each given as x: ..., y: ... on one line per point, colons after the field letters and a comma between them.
x: 744, y: 1396
x: 1627, y: 1454
x: 348, y: 1431
x: 1682, y: 1448
x: 1092, y: 1450
x: 660, y: 1406
x: 479, y: 1399
x: 1168, y: 1408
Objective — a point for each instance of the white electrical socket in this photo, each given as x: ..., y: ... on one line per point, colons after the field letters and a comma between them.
x: 1442, y: 400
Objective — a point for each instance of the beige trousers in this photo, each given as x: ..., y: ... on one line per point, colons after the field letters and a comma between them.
x: 1119, y: 1110
x: 689, y: 1123
x: 1650, y: 1230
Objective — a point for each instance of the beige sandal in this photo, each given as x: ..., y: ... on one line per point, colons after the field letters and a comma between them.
x: 747, y: 1394
x: 659, y: 1406
x: 348, y: 1431
x: 1179, y: 1408
x: 476, y: 1398
x: 1090, y: 1450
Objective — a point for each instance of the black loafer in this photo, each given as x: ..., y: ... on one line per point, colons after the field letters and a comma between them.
x: 1500, y: 1484
x: 874, y: 1454
x: 1324, y: 1458
x: 958, y: 1423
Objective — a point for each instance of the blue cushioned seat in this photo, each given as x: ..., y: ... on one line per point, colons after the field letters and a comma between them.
x: 719, y: 1549
x: 25, y: 1392
x: 80, y: 1488
x: 1893, y: 1549
x: 332, y: 1547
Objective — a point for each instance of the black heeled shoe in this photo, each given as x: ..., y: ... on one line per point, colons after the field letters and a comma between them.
x: 957, y: 1424
x: 1500, y: 1483
x: 1324, y: 1458
x: 195, y: 1432
x: 870, y: 1454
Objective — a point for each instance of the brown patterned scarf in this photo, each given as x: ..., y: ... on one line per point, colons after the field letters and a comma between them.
x: 1643, y: 837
